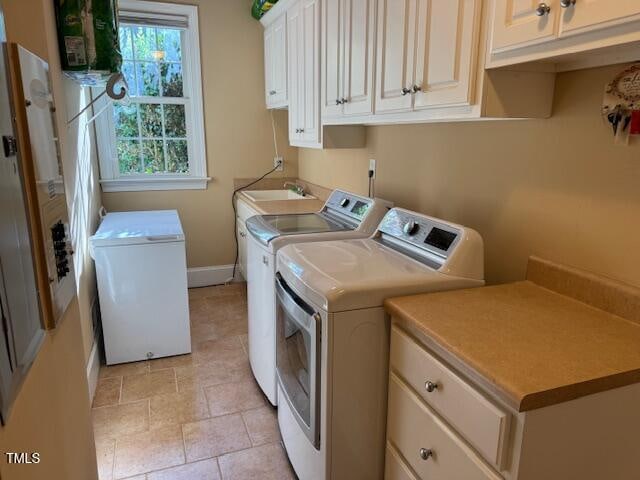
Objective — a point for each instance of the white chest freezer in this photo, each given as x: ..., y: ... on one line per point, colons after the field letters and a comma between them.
x: 142, y: 284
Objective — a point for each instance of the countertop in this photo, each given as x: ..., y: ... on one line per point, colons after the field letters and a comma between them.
x: 526, y: 343
x: 283, y: 207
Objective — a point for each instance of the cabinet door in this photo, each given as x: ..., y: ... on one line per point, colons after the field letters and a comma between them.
x: 517, y: 23
x: 242, y: 248
x: 310, y: 71
x: 279, y: 62
x: 295, y: 75
x: 447, y: 50
x: 332, y: 57
x: 268, y: 65
x: 396, y: 50
x: 588, y: 15
x: 359, y: 27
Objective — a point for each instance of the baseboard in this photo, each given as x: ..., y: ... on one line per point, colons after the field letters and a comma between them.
x: 93, y: 368
x: 207, y: 276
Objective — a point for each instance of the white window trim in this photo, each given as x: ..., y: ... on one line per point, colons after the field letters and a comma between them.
x: 110, y: 177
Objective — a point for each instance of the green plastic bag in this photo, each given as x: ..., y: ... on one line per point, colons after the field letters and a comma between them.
x: 88, y: 39
x: 260, y: 7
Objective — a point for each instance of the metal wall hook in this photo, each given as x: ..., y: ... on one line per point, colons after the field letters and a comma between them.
x: 110, y: 91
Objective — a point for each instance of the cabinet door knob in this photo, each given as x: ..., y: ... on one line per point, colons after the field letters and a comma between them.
x: 406, y: 91
x: 543, y: 9
x: 265, y: 260
x: 344, y: 100
x: 567, y: 3
x: 430, y: 386
x: 338, y: 101
x: 426, y: 453
x: 272, y: 92
x: 416, y: 89
x: 302, y: 130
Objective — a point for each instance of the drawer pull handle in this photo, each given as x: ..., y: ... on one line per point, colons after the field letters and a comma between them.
x: 426, y: 453
x: 431, y: 386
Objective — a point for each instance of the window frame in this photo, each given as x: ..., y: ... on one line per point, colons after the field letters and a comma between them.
x: 110, y: 177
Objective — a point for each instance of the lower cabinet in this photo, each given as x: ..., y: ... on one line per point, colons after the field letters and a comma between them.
x: 243, y: 213
x: 441, y: 425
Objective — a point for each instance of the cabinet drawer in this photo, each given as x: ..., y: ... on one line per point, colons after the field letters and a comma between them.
x: 430, y: 448
x: 394, y: 466
x: 481, y: 422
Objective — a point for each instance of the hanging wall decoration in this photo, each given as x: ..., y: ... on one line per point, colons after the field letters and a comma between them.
x: 621, y: 105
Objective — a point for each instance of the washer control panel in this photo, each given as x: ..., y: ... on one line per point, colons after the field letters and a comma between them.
x: 421, y: 232
x: 353, y: 206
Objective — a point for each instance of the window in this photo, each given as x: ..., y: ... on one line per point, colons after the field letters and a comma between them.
x: 155, y: 140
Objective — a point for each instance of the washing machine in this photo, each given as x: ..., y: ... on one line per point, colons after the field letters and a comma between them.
x: 344, y: 215
x: 332, y: 335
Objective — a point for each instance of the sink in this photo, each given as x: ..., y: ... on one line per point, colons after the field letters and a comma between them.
x: 268, y: 195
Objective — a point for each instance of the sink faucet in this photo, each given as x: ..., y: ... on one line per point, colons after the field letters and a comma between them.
x: 299, y: 189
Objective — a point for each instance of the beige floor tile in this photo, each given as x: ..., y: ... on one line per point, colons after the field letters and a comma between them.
x: 120, y: 420
x: 143, y: 452
x: 268, y: 462
x: 107, y: 392
x: 177, y: 408
x: 215, y: 436
x: 262, y: 425
x: 105, y: 450
x: 170, y: 362
x: 218, y: 328
x: 202, y: 470
x: 122, y: 369
x: 213, y: 373
x: 136, y: 387
x: 234, y: 397
x: 244, y: 340
x: 218, y: 350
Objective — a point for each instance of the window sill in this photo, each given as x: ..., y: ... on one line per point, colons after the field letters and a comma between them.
x: 154, y: 184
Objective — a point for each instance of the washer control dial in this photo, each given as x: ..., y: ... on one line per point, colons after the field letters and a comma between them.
x: 411, y: 228
x: 345, y: 201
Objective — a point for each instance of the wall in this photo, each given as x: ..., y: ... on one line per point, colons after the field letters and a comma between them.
x: 556, y: 188
x: 237, y: 128
x: 51, y: 414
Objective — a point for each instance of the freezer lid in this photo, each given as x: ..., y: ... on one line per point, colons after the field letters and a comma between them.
x: 131, y: 228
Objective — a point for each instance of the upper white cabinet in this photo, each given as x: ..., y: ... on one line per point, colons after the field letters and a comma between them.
x: 426, y: 53
x: 566, y: 31
x: 348, y: 36
x: 275, y: 62
x: 303, y: 33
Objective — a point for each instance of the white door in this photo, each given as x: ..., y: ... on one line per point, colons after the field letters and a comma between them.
x: 332, y: 58
x: 295, y: 75
x: 396, y: 50
x: 587, y: 15
x: 268, y: 65
x: 279, y: 62
x: 519, y: 23
x: 359, y: 44
x: 447, y: 51
x: 310, y: 70
x: 261, y: 313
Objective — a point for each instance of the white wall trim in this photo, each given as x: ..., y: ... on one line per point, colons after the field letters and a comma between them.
x: 214, y: 275
x: 93, y: 368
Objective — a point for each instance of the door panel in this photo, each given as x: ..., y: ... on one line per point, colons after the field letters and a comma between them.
x: 359, y: 60
x: 517, y: 25
x: 447, y: 44
x: 295, y: 76
x: 395, y: 54
x: 268, y: 66
x: 310, y: 66
x: 333, y: 58
x: 588, y: 15
x: 279, y: 62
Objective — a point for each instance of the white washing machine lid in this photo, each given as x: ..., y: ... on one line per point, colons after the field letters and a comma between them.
x: 129, y: 228
x: 346, y: 275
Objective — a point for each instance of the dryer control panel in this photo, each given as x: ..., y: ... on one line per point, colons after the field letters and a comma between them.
x: 347, y: 204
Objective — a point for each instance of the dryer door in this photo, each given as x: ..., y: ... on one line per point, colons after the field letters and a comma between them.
x: 298, y: 358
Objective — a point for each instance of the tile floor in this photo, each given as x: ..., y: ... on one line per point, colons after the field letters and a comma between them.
x: 193, y: 417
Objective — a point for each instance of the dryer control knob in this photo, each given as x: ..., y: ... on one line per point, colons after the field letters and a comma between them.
x: 345, y: 202
x: 411, y: 228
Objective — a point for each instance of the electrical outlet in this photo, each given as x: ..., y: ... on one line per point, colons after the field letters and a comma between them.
x: 278, y: 164
x: 372, y: 167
